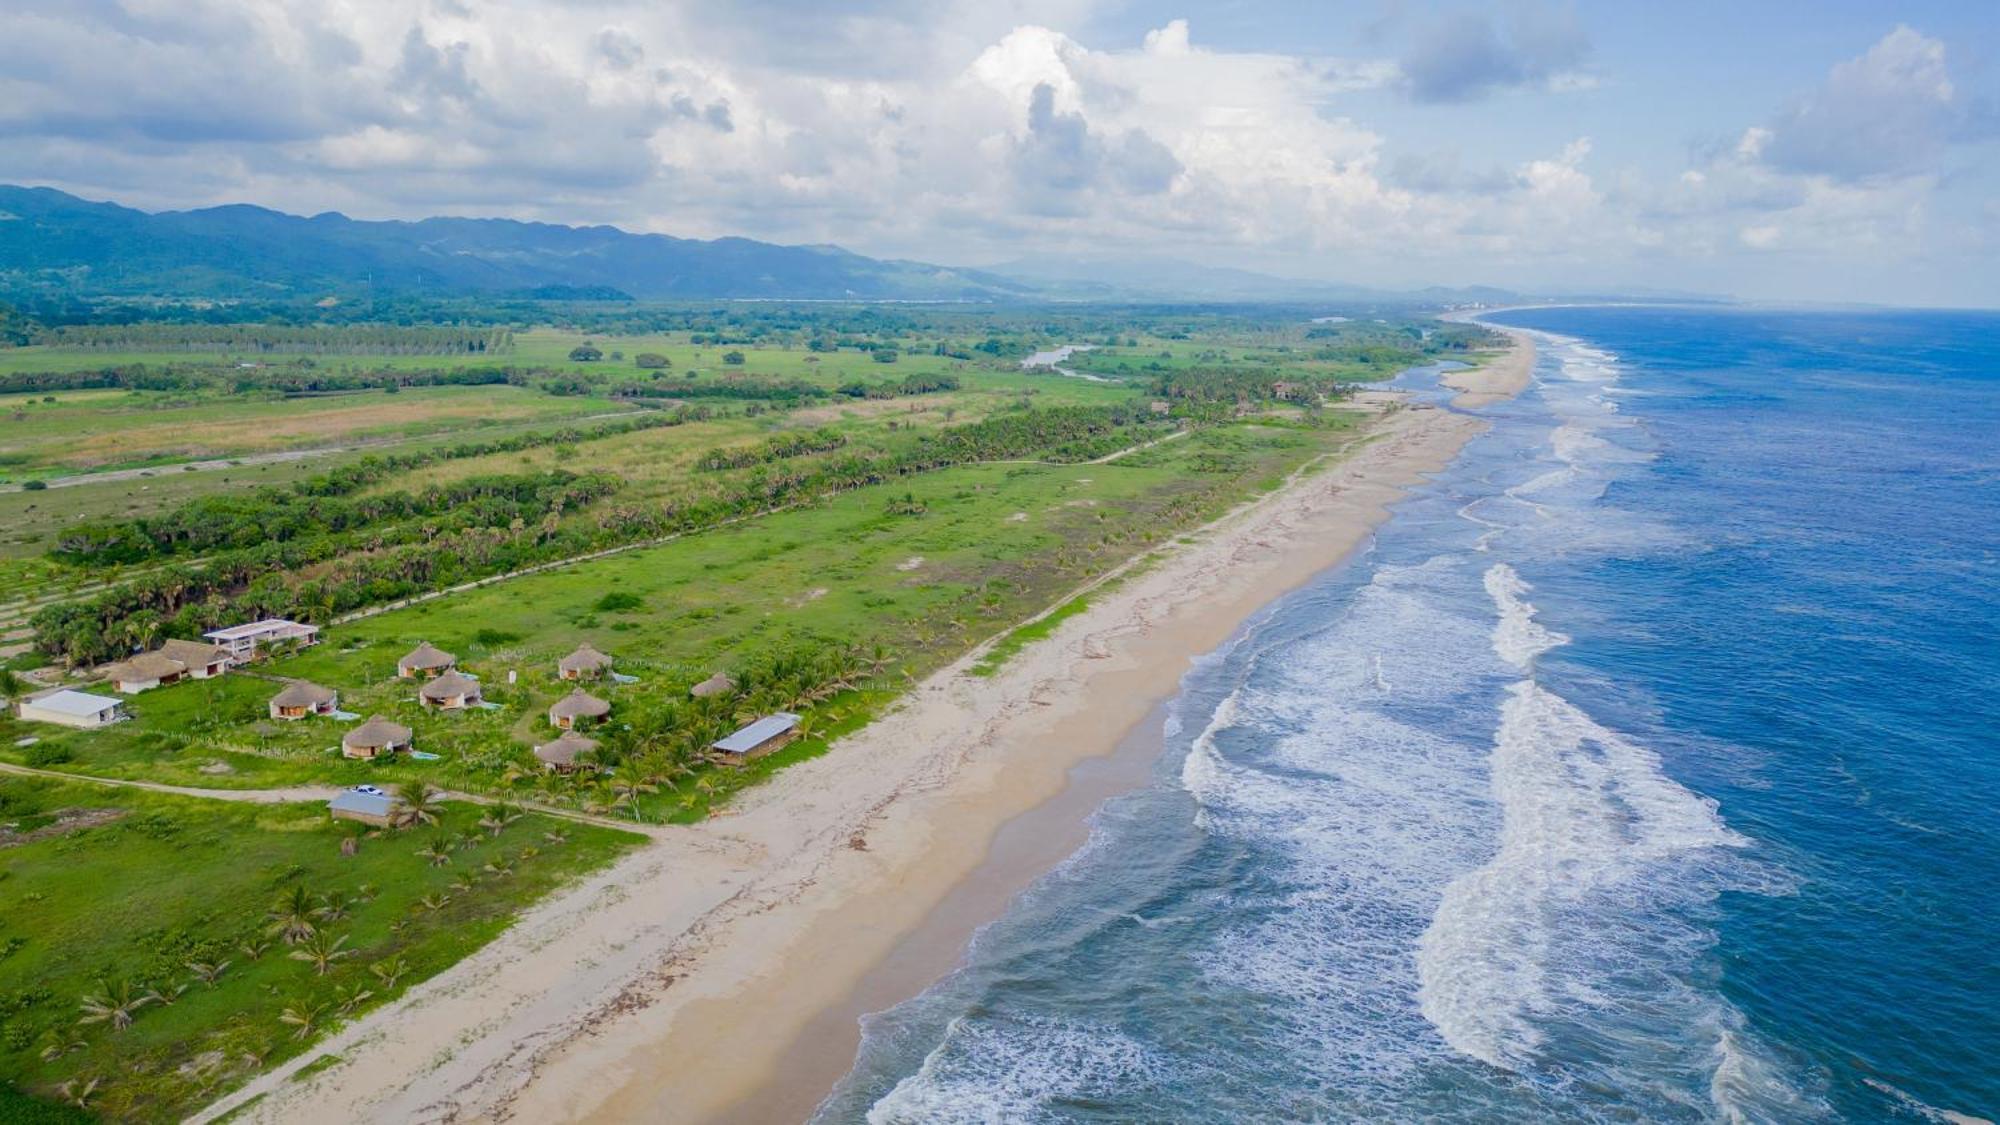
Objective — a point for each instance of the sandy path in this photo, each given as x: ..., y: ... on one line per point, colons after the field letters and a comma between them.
x: 250, y: 796
x: 670, y: 987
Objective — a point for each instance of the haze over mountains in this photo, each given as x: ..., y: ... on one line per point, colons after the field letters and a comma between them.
x: 53, y: 243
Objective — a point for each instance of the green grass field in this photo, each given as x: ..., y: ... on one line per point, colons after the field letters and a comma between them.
x: 111, y: 893
x: 994, y: 545
x: 92, y: 431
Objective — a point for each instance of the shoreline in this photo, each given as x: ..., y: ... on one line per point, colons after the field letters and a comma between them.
x: 718, y: 967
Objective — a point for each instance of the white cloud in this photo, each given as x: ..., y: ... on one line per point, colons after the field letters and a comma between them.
x: 956, y: 130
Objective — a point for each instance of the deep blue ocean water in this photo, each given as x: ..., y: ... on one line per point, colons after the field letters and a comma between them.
x: 1643, y: 770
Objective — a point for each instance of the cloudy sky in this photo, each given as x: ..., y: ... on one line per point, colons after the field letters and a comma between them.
x: 1784, y: 149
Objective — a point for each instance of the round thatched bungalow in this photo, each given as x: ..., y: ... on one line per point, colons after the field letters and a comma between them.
x: 451, y: 691
x: 586, y: 663
x: 302, y: 700
x: 718, y: 684
x: 374, y: 738
x: 578, y: 704
x: 425, y: 660
x: 561, y: 754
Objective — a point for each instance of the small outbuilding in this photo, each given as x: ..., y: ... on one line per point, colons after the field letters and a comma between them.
x: 578, y: 704
x: 72, y: 709
x: 586, y: 663
x: 451, y: 691
x: 562, y: 753
x: 718, y: 684
x: 302, y: 700
x: 374, y: 739
x: 243, y: 641
x: 143, y: 672
x: 757, y: 739
x: 426, y: 660
x: 377, y: 809
x: 1160, y: 406
x: 200, y: 658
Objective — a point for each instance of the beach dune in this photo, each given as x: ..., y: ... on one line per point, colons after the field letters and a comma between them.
x: 676, y: 986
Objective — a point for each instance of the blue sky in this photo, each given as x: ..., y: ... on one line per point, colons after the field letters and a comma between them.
x: 1806, y: 151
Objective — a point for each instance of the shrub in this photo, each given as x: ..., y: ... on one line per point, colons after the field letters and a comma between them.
x: 619, y: 601
x: 35, y: 485
x: 733, y: 359
x: 584, y: 353
x: 651, y: 360
x: 42, y: 755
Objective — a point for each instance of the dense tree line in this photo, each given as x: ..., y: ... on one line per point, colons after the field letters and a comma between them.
x: 220, y: 522
x: 292, y: 339
x: 501, y: 523
x: 752, y: 387
x: 318, y: 578
x: 273, y: 516
x: 900, y: 388
x: 776, y: 448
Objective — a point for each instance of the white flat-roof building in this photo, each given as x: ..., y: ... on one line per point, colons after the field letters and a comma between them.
x: 242, y: 641
x: 757, y: 739
x: 73, y: 709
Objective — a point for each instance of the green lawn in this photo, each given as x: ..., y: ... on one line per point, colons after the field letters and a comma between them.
x: 142, y: 886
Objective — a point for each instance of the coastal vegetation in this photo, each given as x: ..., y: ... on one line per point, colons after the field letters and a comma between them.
x: 806, y: 531
x: 159, y: 949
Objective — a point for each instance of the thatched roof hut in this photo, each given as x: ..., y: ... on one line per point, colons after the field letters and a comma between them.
x: 450, y: 690
x: 562, y: 753
x: 145, y: 670
x: 375, y: 737
x: 300, y: 693
x: 427, y: 659
x: 718, y: 684
x: 585, y: 661
x: 203, y: 659
x: 578, y: 704
x: 300, y: 699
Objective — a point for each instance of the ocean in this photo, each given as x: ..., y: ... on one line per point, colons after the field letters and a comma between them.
x: 1642, y: 769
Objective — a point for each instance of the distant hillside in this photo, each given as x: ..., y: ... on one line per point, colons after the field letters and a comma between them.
x: 54, y: 242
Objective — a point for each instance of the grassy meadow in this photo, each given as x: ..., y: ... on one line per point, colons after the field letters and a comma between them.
x: 164, y: 907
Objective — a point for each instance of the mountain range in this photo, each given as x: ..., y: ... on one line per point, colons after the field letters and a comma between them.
x: 56, y: 244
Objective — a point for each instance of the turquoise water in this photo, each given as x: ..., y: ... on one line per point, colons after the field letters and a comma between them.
x: 1640, y: 771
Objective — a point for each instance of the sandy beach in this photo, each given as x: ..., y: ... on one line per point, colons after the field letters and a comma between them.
x: 682, y: 983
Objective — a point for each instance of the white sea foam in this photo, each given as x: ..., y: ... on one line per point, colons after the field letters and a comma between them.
x: 1518, y: 638
x: 988, y: 1071
x: 1585, y: 812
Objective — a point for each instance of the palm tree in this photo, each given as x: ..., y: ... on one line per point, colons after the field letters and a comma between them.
x: 438, y: 851
x: 390, y: 971
x: 556, y: 837
x: 254, y: 949
x: 303, y: 1016
x: 434, y: 902
x: 501, y: 867
x: 208, y: 972
x: 12, y: 686
x: 168, y: 997
x: 115, y: 1006
x: 292, y: 916
x: 322, y: 951
x: 351, y: 997
x: 78, y: 1096
x: 420, y: 802
x: 333, y: 906
x: 498, y: 817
